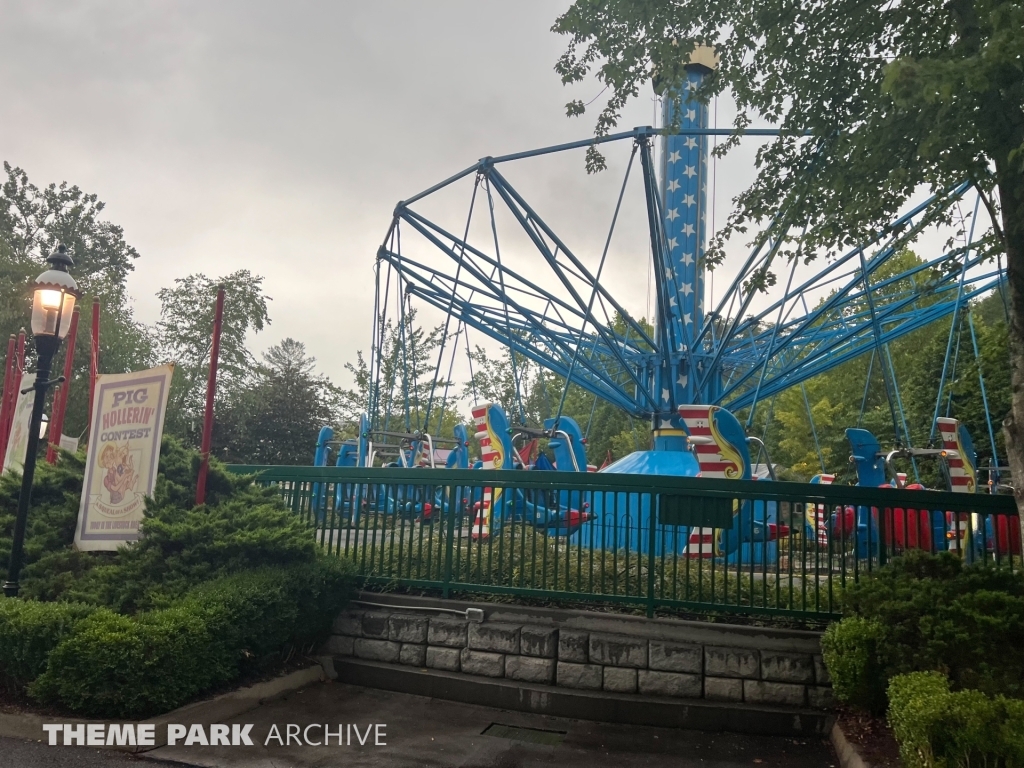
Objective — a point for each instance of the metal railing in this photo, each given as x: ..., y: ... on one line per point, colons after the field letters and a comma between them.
x: 691, y: 544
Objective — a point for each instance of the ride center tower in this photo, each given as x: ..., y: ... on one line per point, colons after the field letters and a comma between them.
x: 679, y: 241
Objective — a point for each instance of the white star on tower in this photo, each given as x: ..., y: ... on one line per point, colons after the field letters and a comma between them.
x: 672, y: 243
x: 673, y: 185
x: 688, y: 229
x: 672, y: 215
x: 687, y: 290
x: 674, y: 156
x: 687, y: 259
x: 687, y: 319
x: 691, y: 143
x: 689, y: 200
x: 691, y: 114
x: 690, y: 171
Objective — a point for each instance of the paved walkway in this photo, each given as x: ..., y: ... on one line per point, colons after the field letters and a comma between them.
x: 17, y: 753
x: 422, y: 731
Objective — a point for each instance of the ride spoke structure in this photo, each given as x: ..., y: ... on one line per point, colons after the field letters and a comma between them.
x: 732, y: 353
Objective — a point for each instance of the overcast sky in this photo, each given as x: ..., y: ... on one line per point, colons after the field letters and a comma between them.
x: 278, y: 136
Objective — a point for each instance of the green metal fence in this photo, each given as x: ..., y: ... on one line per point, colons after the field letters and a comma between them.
x: 657, y: 542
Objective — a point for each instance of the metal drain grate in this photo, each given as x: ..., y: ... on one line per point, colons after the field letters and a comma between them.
x: 531, y: 735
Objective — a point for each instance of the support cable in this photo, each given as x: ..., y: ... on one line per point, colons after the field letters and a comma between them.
x: 771, y: 343
x: 952, y: 375
x: 953, y: 323
x: 867, y: 386
x: 448, y: 314
x: 984, y: 395
x: 593, y: 292
x: 504, y: 304
x: 878, y: 345
x: 814, y: 431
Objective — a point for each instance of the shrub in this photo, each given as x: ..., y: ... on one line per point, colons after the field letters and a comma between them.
x: 121, y: 666
x: 51, y: 524
x: 184, y: 547
x: 28, y: 632
x: 130, y: 667
x: 929, y: 612
x: 851, y: 651
x: 241, y: 526
x: 937, y: 728
x: 57, y: 491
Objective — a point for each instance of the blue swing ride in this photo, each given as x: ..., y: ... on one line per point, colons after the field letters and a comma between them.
x: 698, y: 365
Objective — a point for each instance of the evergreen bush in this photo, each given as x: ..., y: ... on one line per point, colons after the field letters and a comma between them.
x: 207, y: 593
x: 851, y: 651
x: 939, y: 728
x: 241, y: 526
x: 929, y: 612
x: 118, y: 666
x: 29, y: 630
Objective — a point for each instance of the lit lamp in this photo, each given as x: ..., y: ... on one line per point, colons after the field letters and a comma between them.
x: 53, y: 303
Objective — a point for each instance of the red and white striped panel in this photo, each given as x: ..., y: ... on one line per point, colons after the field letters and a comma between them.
x: 481, y: 523
x: 820, y: 523
x: 960, y: 474
x: 701, y: 543
x: 697, y: 419
x: 480, y: 420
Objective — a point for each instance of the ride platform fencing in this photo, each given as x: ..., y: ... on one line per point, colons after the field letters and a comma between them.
x: 661, y: 543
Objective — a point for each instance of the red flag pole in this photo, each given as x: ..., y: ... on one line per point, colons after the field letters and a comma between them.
x: 5, y: 398
x: 60, y: 397
x: 94, y: 355
x: 211, y: 389
x: 18, y: 372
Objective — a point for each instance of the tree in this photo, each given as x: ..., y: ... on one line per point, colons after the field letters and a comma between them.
x: 844, y: 397
x: 184, y: 334
x: 530, y: 394
x: 33, y: 222
x: 893, y: 95
x: 276, y: 417
x: 402, y: 389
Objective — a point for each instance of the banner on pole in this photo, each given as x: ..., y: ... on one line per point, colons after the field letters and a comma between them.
x: 128, y: 412
x: 21, y: 423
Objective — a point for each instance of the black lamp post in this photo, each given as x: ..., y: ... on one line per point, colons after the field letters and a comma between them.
x: 53, y: 303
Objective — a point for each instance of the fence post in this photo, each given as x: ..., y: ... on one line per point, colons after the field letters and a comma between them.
x: 652, y: 539
x: 449, y: 545
x: 885, y: 526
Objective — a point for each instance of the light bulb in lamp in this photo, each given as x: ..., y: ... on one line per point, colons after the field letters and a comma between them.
x: 53, y: 301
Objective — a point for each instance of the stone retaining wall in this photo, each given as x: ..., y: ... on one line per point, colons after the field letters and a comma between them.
x: 639, y: 661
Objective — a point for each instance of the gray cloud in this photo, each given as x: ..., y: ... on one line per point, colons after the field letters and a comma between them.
x: 278, y: 137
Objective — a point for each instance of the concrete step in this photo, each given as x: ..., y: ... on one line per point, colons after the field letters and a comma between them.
x: 630, y: 709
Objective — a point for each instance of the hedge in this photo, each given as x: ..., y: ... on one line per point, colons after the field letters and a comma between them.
x: 929, y: 613
x: 240, y: 526
x: 117, y: 666
x: 28, y: 632
x: 852, y: 653
x: 937, y: 728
